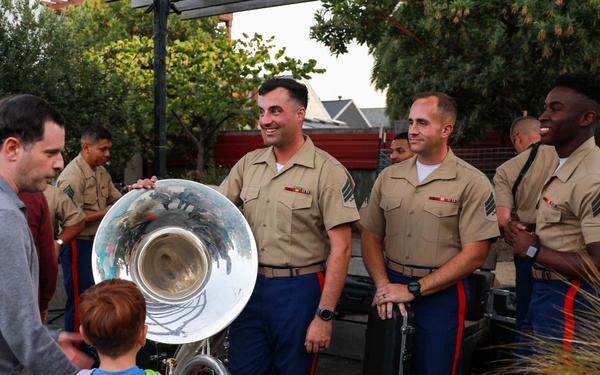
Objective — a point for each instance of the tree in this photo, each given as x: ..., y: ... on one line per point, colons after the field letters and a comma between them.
x: 39, y: 56
x: 496, y: 58
x: 210, y: 82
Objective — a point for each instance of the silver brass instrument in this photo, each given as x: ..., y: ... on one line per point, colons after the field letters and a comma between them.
x: 189, y: 250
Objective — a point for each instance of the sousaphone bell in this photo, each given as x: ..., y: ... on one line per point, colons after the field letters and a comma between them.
x: 189, y: 250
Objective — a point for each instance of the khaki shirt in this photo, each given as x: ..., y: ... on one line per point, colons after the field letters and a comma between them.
x: 92, y: 191
x: 291, y: 211
x: 426, y: 224
x: 62, y: 208
x: 528, y: 191
x: 569, y: 206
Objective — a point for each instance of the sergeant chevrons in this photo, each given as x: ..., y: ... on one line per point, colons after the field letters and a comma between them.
x: 62, y: 207
x: 426, y: 224
x: 91, y: 190
x: 311, y: 194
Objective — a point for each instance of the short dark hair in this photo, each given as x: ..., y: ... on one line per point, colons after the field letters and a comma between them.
x: 583, y: 83
x: 112, y: 313
x: 23, y: 116
x: 297, y: 90
x: 403, y: 135
x: 446, y: 105
x: 94, y: 134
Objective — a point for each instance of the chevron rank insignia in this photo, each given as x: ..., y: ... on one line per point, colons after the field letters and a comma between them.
x: 69, y: 191
x: 348, y: 195
x: 490, y: 208
x: 596, y: 206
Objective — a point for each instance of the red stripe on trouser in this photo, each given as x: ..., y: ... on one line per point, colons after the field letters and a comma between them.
x: 75, y: 285
x: 313, y: 367
x: 462, y: 307
x: 569, y: 317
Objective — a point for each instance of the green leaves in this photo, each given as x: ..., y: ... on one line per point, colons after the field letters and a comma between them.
x: 496, y: 58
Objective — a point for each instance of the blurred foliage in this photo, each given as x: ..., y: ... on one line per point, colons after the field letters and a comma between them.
x: 496, y: 58
x: 210, y: 84
x: 94, y: 63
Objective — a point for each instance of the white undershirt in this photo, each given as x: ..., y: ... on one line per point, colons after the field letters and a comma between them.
x: 561, y: 161
x: 279, y: 167
x: 425, y: 170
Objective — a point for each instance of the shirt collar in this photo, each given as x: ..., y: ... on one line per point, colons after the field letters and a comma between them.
x: 575, y: 158
x: 446, y: 171
x: 6, y: 189
x: 84, y: 166
x: 304, y: 156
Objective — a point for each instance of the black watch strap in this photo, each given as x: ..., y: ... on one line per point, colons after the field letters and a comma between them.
x: 415, y: 288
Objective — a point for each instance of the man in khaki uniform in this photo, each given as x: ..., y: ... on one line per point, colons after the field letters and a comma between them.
x: 69, y: 217
x: 90, y: 186
x: 438, y: 216
x: 541, y: 161
x: 566, y: 244
x: 300, y: 205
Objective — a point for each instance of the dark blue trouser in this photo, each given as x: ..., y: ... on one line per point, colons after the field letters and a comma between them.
x: 268, y: 336
x: 556, y: 311
x: 524, y: 288
x: 76, y: 263
x: 439, y: 328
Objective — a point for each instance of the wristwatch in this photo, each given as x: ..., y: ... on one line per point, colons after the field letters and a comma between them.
x: 325, y: 314
x: 415, y: 288
x: 59, y: 242
x: 533, y: 250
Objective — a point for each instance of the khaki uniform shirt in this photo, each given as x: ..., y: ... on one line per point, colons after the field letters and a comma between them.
x: 92, y: 191
x: 569, y: 206
x: 62, y: 208
x: 528, y: 191
x: 291, y: 211
x: 426, y: 224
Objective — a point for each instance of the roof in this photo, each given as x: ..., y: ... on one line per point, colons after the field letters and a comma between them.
x: 347, y: 111
x: 376, y: 117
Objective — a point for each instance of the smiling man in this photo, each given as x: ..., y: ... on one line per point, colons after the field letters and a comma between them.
x: 300, y: 205
x: 565, y: 247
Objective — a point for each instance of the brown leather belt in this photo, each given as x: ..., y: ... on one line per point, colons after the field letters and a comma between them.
x: 272, y: 272
x: 546, y: 275
x: 86, y: 238
x: 408, y: 271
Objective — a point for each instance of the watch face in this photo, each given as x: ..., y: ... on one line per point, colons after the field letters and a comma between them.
x: 325, y: 314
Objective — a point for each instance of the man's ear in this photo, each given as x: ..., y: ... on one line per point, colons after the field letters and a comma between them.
x: 588, y: 118
x: 447, y: 130
x: 301, y: 113
x: 11, y: 148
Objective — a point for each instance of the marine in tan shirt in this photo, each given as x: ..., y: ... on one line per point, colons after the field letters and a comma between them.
x: 69, y: 217
x: 566, y: 244
x: 300, y: 205
x: 522, y: 206
x: 438, y: 217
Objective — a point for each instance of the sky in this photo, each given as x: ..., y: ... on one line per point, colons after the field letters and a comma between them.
x: 347, y: 76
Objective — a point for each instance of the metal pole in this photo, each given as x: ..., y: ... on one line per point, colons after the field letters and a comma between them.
x: 161, y: 12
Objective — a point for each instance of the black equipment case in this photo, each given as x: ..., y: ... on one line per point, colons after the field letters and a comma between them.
x: 389, y: 343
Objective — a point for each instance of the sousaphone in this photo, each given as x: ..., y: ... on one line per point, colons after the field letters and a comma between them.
x: 189, y: 250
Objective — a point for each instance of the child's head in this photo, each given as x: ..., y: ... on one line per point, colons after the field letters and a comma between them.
x: 112, y: 315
